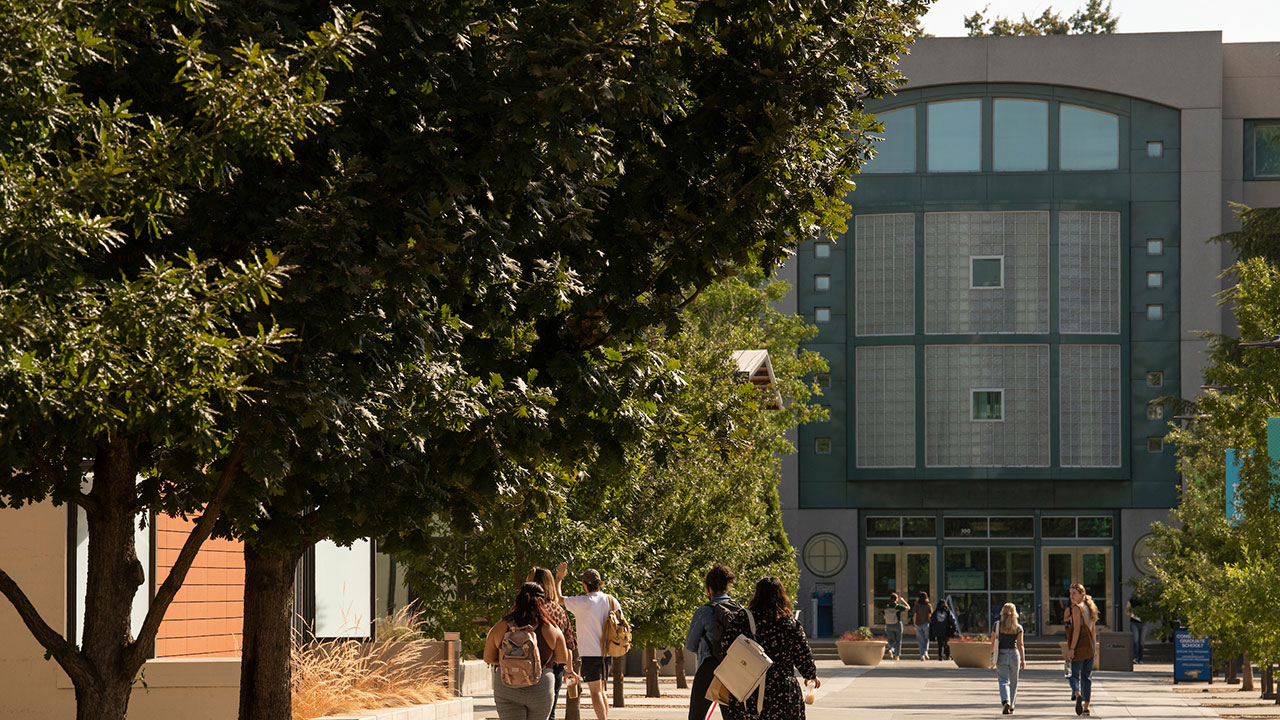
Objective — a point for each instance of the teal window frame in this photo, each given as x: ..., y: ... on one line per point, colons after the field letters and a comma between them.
x: 1251, y: 149
x: 974, y: 396
x: 973, y: 272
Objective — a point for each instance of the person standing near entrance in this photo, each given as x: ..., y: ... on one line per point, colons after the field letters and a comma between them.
x: 921, y: 615
x: 1010, y: 655
x: 1084, y: 618
x: 894, y: 613
x: 942, y: 627
x: 590, y: 610
x: 1133, y: 610
x: 703, y: 639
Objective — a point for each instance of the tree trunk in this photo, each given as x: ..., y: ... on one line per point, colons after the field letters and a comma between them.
x: 1247, y: 674
x: 682, y: 682
x: 266, y: 663
x: 651, y: 673
x: 619, y: 700
x: 1229, y: 672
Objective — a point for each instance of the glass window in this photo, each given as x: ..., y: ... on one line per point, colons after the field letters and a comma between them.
x: 1155, y: 445
x: 822, y: 314
x: 822, y: 445
x: 955, y: 136
x: 1012, y: 569
x: 896, y: 153
x: 919, y: 527
x: 884, y: 527
x: 1155, y: 312
x: 1155, y: 246
x: 821, y: 283
x: 343, y: 578
x: 1155, y: 149
x: 966, y: 569
x: 1266, y: 150
x: 822, y: 250
x: 1020, y: 130
x: 1088, y: 139
x: 1155, y: 279
x: 1058, y: 527
x: 823, y: 380
x: 987, y: 404
x: 1155, y: 411
x: 1012, y: 527
x: 1155, y: 378
x: 986, y: 272
x: 964, y: 527
x: 1095, y: 527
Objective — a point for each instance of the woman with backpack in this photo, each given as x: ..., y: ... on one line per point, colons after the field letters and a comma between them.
x: 942, y: 627
x: 784, y: 641
x: 525, y: 646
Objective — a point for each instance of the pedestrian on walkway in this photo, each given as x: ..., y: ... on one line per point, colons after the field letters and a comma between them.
x: 894, y: 613
x: 590, y: 610
x: 1080, y: 638
x: 942, y: 627
x: 921, y: 614
x: 785, y: 643
x: 560, y: 618
x: 702, y: 639
x: 1133, y: 609
x: 528, y: 616
x: 1010, y: 655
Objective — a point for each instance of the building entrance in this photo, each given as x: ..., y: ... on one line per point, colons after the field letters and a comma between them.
x: 906, y: 571
x: 1060, y: 567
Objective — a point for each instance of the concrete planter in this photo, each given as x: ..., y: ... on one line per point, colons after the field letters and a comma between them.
x: 971, y: 654
x: 861, y: 652
x: 456, y: 709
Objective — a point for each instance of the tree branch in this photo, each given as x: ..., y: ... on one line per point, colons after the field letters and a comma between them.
x: 141, y: 646
x: 65, y: 653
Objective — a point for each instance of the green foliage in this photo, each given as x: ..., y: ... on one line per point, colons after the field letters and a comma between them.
x: 1092, y: 19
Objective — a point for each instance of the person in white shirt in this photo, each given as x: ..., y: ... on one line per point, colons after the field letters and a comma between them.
x: 590, y: 611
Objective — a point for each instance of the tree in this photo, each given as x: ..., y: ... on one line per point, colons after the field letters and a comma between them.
x: 1092, y: 19
x: 124, y: 351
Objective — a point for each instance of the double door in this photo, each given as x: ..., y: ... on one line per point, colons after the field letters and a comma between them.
x: 906, y: 571
x: 1060, y: 568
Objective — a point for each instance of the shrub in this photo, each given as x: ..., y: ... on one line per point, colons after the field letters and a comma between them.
x: 862, y: 633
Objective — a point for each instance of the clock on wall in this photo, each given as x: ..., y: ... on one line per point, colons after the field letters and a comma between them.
x: 1142, y: 555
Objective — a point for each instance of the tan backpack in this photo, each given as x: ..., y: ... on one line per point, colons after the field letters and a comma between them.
x: 518, y: 660
x: 616, y: 638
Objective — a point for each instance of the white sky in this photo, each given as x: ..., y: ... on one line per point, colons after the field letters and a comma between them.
x: 1239, y: 20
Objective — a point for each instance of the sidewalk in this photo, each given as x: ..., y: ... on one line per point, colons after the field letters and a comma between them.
x: 912, y: 689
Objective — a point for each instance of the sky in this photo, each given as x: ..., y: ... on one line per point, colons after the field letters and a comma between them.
x: 1239, y: 20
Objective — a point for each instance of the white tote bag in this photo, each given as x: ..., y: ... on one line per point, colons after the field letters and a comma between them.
x: 744, y: 666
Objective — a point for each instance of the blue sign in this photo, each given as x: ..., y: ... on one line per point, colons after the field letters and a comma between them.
x: 1233, y: 482
x: 1191, y: 662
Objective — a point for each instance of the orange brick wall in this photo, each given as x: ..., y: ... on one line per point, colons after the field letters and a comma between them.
x: 207, y: 616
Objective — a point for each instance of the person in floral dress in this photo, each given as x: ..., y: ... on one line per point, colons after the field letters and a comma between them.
x: 785, y: 643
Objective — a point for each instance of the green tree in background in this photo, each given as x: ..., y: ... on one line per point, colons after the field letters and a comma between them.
x: 1092, y: 19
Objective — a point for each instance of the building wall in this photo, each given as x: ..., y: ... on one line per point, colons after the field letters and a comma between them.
x: 206, y: 618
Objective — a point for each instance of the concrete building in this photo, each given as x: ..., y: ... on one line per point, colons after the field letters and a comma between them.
x: 1021, y: 280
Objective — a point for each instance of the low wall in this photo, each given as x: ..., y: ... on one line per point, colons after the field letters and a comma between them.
x: 474, y: 678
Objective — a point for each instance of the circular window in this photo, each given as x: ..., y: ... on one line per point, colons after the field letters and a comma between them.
x: 825, y: 555
x: 1142, y: 555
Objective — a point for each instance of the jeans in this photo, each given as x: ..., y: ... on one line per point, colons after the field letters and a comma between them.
x: 894, y: 634
x: 699, y: 705
x: 1082, y: 678
x: 944, y: 650
x: 1007, y: 666
x: 1137, y: 627
x: 922, y: 639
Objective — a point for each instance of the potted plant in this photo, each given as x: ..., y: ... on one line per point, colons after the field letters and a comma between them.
x: 859, y: 647
x: 971, y: 651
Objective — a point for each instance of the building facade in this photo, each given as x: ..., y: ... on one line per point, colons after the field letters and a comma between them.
x: 1021, y: 281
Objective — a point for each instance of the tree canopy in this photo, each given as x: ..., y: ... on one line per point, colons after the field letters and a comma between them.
x: 1092, y: 19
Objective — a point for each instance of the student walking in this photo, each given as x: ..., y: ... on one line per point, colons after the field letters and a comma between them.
x: 523, y: 679
x: 785, y: 643
x: 1132, y: 609
x: 1080, y: 638
x: 1010, y: 655
x: 701, y: 638
x: 942, y: 627
x: 921, y: 615
x: 590, y: 610
x: 559, y: 618
x: 894, y: 613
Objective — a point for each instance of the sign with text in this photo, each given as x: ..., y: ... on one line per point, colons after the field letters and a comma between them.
x: 1191, y: 661
x: 1233, y: 483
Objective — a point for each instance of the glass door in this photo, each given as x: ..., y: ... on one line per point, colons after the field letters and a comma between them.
x: 1061, y: 567
x: 906, y: 571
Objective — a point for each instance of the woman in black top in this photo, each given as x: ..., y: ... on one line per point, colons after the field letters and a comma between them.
x: 784, y: 642
x: 1009, y: 655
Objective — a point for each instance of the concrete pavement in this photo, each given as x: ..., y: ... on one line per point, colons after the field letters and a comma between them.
x: 911, y: 689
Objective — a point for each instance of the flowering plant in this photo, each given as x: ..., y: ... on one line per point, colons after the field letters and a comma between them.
x: 862, y: 633
x: 974, y: 638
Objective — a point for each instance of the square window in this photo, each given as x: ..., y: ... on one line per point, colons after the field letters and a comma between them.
x: 987, y: 404
x: 1155, y: 246
x: 823, y: 380
x: 822, y: 250
x: 822, y: 314
x: 1155, y: 312
x: 1155, y: 378
x: 986, y: 272
x: 821, y: 283
x: 1155, y: 411
x: 822, y: 445
x: 1155, y: 149
x: 1266, y: 150
x: 1155, y: 445
x: 896, y: 151
x: 1155, y: 280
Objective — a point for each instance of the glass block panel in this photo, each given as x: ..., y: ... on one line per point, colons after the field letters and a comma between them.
x: 1020, y: 135
x: 886, y: 406
x: 952, y: 439
x: 1088, y: 139
x: 884, y: 266
x: 1089, y: 272
x: 1266, y: 150
x: 953, y: 239
x: 919, y: 527
x: 1090, y: 405
x: 955, y: 136
x: 896, y: 153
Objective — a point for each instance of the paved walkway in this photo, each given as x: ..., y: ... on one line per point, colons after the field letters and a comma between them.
x: 911, y: 689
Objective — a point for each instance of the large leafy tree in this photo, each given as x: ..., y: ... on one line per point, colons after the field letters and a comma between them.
x: 1092, y: 19
x: 123, y: 350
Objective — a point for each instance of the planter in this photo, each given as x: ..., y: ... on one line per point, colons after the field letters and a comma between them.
x: 861, y: 652
x: 971, y: 654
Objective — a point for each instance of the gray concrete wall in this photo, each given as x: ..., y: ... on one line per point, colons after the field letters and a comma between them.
x: 1133, y: 525
x: 804, y: 524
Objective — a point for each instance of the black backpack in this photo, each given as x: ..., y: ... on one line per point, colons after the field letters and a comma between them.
x: 724, y: 612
